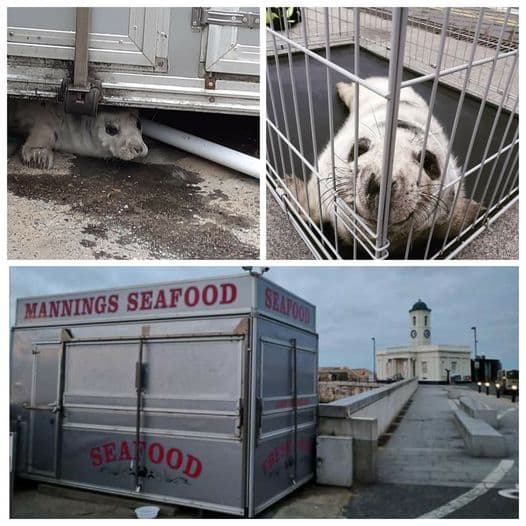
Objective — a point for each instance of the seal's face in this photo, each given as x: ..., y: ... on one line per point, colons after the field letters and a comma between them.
x: 120, y: 134
x: 414, y: 199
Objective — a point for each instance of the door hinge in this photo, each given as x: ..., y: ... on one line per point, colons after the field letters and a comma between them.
x: 201, y: 16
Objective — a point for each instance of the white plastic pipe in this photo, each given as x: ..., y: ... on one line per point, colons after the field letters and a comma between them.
x: 203, y: 148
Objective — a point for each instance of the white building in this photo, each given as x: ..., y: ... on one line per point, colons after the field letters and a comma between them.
x: 422, y: 359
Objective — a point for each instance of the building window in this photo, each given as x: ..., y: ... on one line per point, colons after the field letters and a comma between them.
x: 414, y: 321
x: 453, y: 367
x: 425, y: 321
x: 424, y: 367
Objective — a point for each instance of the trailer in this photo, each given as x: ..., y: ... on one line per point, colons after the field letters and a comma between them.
x: 191, y: 58
x: 199, y: 393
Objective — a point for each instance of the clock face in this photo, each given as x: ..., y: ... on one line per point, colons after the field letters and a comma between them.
x: 413, y: 334
x: 427, y: 333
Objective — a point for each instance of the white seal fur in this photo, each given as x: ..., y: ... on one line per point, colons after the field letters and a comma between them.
x: 48, y: 128
x: 411, y: 202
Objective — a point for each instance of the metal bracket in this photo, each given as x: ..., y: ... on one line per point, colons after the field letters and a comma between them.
x: 81, y: 95
x: 210, y: 81
x: 201, y: 16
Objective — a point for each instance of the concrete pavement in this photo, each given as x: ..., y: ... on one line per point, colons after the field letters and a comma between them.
x: 424, y: 465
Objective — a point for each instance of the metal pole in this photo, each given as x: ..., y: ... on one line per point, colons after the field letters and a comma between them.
x: 374, y: 359
x: 474, y: 329
x: 396, y: 63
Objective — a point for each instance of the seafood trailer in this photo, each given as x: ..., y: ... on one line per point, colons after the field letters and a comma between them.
x: 200, y: 393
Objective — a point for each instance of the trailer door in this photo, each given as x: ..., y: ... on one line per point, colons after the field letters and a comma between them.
x: 286, y: 408
x: 158, y: 417
x: 43, y: 410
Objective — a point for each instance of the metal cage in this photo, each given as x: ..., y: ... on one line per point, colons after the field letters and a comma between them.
x: 392, y: 187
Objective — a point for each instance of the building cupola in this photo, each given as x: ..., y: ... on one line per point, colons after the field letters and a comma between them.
x: 420, y: 324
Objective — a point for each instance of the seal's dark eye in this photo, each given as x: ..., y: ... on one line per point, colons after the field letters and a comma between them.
x: 139, y: 125
x: 431, y: 166
x: 111, y: 130
x: 363, y: 146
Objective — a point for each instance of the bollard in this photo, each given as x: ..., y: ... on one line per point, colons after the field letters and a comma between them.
x: 497, y: 390
x: 513, y: 393
x: 487, y: 387
x: 480, y: 385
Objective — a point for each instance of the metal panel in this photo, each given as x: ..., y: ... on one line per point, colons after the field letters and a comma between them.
x: 197, y: 297
x: 286, y: 387
x: 133, y: 36
x: 228, y: 52
x: 189, y: 424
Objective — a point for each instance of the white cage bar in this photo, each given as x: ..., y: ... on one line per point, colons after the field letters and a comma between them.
x: 430, y: 178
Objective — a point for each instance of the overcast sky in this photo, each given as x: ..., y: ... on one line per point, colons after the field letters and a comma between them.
x: 353, y: 303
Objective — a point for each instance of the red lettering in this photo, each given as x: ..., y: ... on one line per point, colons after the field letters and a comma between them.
x: 210, y: 299
x: 96, y: 456
x: 125, y: 451
x: 42, y: 313
x: 228, y: 293
x: 156, y: 458
x: 54, y: 308
x: 268, y: 298
x: 31, y: 311
x: 87, y: 305
x: 191, y: 296
x: 77, y: 307
x: 275, y: 300
x: 109, y: 452
x: 283, y: 306
x: 66, y: 308
x: 132, y: 301
x: 193, y: 467
x: 178, y: 458
x: 175, y: 294
x: 113, y: 303
x: 100, y: 304
x: 295, y: 310
x: 146, y: 300
x: 161, y: 300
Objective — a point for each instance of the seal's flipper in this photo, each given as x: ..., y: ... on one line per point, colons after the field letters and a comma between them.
x: 346, y: 93
x: 37, y: 151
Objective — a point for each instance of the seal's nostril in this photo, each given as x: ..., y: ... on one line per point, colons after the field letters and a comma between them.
x: 372, y: 186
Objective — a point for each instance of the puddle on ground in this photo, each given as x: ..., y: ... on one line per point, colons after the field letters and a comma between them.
x: 162, y: 204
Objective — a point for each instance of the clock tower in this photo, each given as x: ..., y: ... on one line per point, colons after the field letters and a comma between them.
x: 420, y: 324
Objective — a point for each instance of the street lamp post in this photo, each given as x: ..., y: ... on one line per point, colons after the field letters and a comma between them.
x: 474, y: 329
x: 374, y: 358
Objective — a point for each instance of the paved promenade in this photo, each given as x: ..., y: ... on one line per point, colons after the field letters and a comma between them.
x: 424, y: 468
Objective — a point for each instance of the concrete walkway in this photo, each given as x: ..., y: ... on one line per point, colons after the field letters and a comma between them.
x: 428, y: 449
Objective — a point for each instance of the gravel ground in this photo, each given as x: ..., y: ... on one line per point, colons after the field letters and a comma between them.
x: 172, y: 206
x: 499, y: 241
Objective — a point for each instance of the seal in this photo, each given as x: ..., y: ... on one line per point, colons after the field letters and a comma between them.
x: 415, y: 199
x: 48, y: 128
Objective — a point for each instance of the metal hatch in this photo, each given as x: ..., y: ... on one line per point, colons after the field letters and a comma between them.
x: 135, y: 36
x: 232, y: 45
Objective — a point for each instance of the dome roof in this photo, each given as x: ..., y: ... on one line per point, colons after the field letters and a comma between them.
x: 420, y: 305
